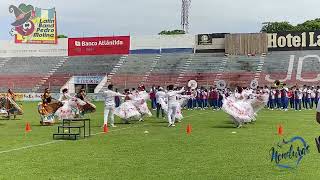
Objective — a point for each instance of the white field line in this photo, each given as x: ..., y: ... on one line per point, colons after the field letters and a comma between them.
x: 57, y: 141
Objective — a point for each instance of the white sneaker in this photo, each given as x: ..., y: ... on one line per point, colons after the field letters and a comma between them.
x: 112, y: 125
x: 169, y: 125
x: 173, y: 125
x: 141, y: 120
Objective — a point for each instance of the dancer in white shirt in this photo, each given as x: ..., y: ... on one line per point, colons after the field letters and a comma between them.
x: 64, y: 97
x: 110, y: 104
x: 160, y: 96
x: 172, y: 104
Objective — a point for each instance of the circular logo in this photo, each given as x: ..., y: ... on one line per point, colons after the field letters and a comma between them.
x: 204, y: 38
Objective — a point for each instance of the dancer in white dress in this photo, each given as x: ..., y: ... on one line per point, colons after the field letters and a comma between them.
x: 242, y: 108
x: 127, y: 110
x: 140, y: 102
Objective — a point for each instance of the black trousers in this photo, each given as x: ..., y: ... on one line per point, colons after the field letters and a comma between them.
x: 158, y: 110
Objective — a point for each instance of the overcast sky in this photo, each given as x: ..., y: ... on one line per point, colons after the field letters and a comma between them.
x: 148, y: 17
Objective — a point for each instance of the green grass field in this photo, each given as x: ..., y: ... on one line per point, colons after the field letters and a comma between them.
x: 211, y: 151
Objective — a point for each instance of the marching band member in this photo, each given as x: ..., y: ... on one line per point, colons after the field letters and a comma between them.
x: 284, y: 98
x: 308, y: 98
x: 317, y: 96
x: 318, y: 114
x: 298, y: 98
x: 313, y: 96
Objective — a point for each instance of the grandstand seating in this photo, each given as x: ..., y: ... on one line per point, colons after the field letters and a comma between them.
x: 23, y: 74
x: 131, y: 73
x: 277, y: 63
x: 167, y: 69
x: 203, y: 68
x: 80, y: 66
x: 240, y: 70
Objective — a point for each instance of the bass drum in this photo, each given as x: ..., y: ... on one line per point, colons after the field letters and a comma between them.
x: 192, y: 84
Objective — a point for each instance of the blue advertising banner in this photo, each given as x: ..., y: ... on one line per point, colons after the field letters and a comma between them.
x: 87, y: 79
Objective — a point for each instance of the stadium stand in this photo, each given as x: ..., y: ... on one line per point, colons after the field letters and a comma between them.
x: 167, y: 69
x: 133, y: 70
x: 203, y: 68
x: 22, y: 74
x: 166, y: 65
x: 77, y: 66
x: 280, y: 64
x: 240, y: 70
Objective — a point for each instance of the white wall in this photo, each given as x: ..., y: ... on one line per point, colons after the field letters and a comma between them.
x: 11, y: 49
x: 164, y: 41
x: 144, y: 42
x: 177, y: 41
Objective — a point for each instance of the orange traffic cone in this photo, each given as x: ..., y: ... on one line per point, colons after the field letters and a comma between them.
x: 280, y: 130
x: 28, y: 127
x: 105, y: 128
x: 189, y: 129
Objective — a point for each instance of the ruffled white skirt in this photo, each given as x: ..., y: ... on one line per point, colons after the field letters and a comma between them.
x: 142, y: 107
x: 243, y: 111
x: 127, y: 111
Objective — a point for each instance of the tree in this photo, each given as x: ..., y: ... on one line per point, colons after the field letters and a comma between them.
x: 274, y: 27
x: 62, y: 36
x: 310, y: 25
x: 173, y: 32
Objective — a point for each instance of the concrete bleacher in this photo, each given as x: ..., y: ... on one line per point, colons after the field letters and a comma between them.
x: 88, y: 65
x: 203, y: 68
x: 167, y: 69
x: 131, y: 73
x: 23, y: 73
x: 277, y: 63
x: 240, y: 70
x: 80, y: 66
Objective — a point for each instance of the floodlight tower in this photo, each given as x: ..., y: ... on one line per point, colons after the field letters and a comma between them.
x: 185, y: 15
